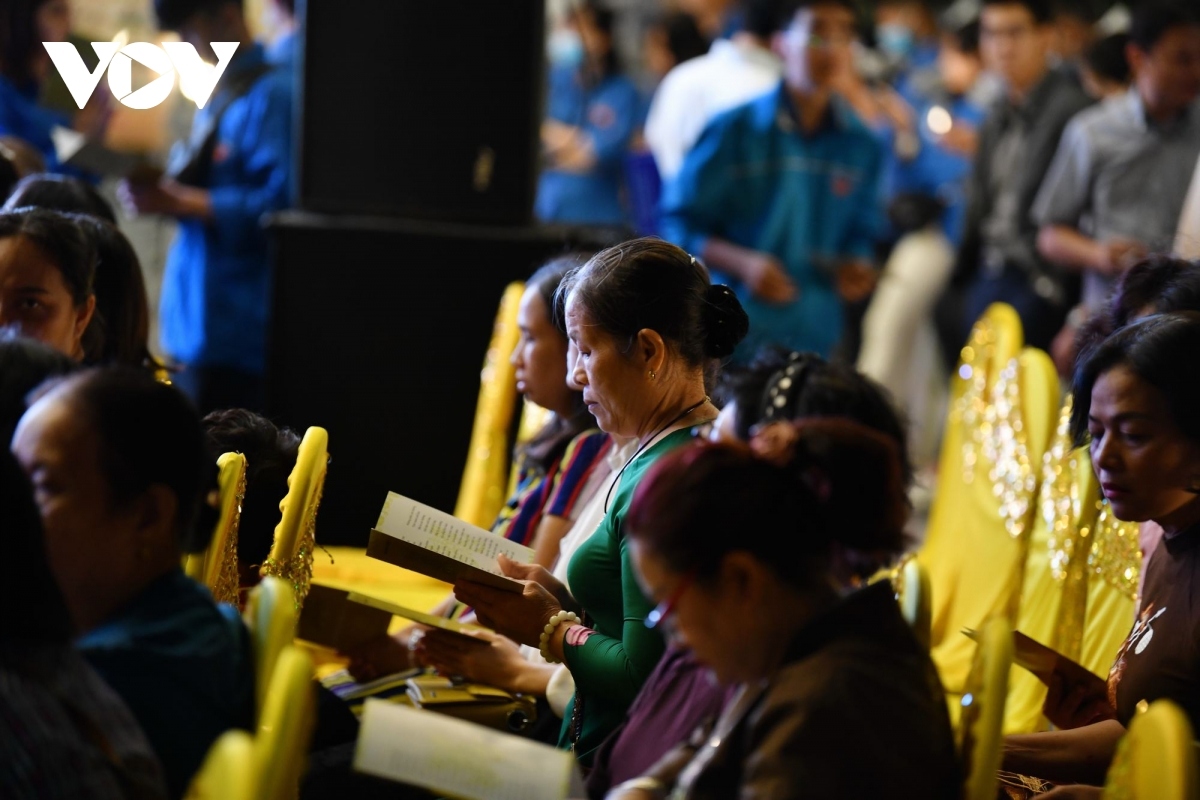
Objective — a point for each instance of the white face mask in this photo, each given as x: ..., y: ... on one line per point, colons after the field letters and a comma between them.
x: 565, y: 48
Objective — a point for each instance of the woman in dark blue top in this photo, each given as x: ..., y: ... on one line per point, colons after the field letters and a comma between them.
x: 121, y: 477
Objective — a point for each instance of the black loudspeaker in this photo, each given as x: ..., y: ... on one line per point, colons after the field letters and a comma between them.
x: 379, y: 328
x: 425, y: 109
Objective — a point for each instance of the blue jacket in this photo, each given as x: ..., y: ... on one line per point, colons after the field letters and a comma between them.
x: 22, y: 117
x: 215, y: 292
x: 183, y: 666
x: 755, y: 179
x: 608, y: 113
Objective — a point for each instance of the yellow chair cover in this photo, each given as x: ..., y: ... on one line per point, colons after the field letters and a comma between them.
x: 270, y: 615
x: 484, y: 485
x: 911, y: 582
x: 991, y: 528
x: 983, y: 710
x: 295, y: 536
x: 961, y: 503
x: 1114, y: 564
x: 217, y: 566
x: 229, y: 771
x: 285, y: 726
x: 1156, y: 759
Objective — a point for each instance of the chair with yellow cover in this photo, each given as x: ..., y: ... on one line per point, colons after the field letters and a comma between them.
x: 229, y: 771
x: 291, y: 553
x: 1156, y: 759
x: 982, y: 716
x: 980, y: 527
x: 269, y: 764
x: 270, y: 615
x: 285, y: 726
x: 485, y: 477
x: 217, y: 566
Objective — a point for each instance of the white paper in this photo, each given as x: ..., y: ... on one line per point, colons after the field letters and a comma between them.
x: 460, y: 758
x: 447, y: 535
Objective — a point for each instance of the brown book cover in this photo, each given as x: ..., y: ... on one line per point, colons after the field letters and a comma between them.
x: 330, y: 619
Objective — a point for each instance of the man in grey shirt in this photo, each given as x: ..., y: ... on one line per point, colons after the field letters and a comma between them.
x: 998, y: 259
x: 1118, y: 182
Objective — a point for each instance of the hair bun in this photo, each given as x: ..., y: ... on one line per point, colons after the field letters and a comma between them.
x: 725, y: 321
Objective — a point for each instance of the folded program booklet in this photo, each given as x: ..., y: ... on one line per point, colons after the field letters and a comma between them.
x: 432, y: 620
x: 460, y: 759
x: 425, y: 540
x: 1044, y: 662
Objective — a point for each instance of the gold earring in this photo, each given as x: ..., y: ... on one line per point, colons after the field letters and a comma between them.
x: 652, y: 375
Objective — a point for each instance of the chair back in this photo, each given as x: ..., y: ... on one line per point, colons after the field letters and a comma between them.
x: 982, y: 716
x: 912, y: 592
x: 285, y: 725
x: 229, y: 771
x: 217, y: 566
x: 295, y: 536
x: 484, y: 485
x: 270, y: 615
x: 1156, y: 759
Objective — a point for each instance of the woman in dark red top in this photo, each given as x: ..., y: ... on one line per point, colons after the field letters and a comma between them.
x: 1135, y: 401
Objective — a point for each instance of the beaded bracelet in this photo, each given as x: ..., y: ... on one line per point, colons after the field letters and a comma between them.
x: 551, y: 626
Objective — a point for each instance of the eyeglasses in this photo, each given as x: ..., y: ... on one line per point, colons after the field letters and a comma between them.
x: 659, y: 617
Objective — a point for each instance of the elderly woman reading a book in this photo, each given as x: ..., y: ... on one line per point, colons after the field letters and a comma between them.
x: 647, y: 324
x: 1135, y: 405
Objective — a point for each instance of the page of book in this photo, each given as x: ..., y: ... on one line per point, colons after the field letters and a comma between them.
x: 432, y: 620
x: 445, y: 534
x: 460, y: 758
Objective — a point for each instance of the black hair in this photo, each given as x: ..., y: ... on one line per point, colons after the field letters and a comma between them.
x: 819, y: 388
x: 270, y: 453
x: 1150, y: 21
x: 1158, y: 283
x: 650, y: 284
x: 840, y: 484
x: 172, y: 14
x: 605, y: 20
x: 148, y: 433
x: 760, y: 17
x: 24, y: 365
x: 9, y: 176
x: 59, y: 193
x: 122, y: 318
x: 19, y: 40
x: 966, y: 37
x: 1080, y: 9
x: 37, y: 612
x: 684, y: 39
x: 1106, y: 58
x: 548, y: 445
x: 1157, y: 350
x: 1038, y: 9
x: 786, y: 10
x: 61, y: 239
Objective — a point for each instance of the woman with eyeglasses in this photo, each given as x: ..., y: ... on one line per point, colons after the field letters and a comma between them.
x: 647, y: 326
x: 835, y: 697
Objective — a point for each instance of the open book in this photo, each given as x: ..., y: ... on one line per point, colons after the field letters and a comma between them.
x: 421, y: 538
x: 76, y: 150
x: 460, y: 758
x: 1044, y: 662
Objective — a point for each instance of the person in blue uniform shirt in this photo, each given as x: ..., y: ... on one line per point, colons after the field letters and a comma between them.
x: 24, y: 67
x: 591, y: 113
x: 780, y: 196
x: 215, y: 300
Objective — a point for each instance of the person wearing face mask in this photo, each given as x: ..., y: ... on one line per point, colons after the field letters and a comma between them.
x: 906, y: 35
x: 592, y: 111
x: 780, y: 195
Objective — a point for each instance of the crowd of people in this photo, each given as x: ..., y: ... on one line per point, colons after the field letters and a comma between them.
x: 718, y: 486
